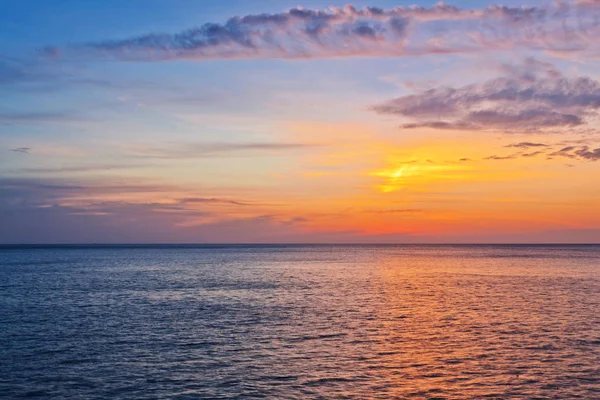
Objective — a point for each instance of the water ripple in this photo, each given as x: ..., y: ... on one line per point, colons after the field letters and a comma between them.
x: 298, y: 322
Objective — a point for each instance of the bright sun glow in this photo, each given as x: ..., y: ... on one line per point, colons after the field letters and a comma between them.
x: 416, y: 174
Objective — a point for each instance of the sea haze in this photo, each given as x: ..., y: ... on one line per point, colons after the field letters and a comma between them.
x: 125, y: 322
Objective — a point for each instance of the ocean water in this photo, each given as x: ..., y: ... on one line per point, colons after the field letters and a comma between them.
x: 300, y: 322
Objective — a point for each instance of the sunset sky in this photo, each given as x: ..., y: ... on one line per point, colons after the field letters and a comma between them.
x: 187, y: 121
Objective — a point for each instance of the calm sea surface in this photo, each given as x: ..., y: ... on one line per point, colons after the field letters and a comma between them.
x: 300, y: 322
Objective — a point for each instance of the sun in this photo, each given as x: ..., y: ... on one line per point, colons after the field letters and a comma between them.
x: 397, y: 178
x: 410, y: 174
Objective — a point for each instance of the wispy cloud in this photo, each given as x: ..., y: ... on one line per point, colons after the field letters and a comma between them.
x: 17, y: 71
x: 509, y: 157
x: 589, y: 154
x: 400, y: 211
x: 514, y: 156
x: 106, y: 198
x: 36, y: 117
x: 531, y: 97
x: 52, y: 210
x: 348, y: 31
x: 564, y: 152
x: 58, y: 188
x: 76, y: 168
x: 526, y: 145
x: 578, y: 152
x: 205, y: 200
x: 533, y: 154
x: 24, y: 150
x: 196, y: 150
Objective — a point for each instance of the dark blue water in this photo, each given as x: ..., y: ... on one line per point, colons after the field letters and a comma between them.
x: 300, y: 322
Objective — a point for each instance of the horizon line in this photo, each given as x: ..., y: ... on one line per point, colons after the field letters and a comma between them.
x: 224, y: 244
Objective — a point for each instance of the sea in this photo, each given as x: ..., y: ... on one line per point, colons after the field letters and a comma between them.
x: 300, y: 322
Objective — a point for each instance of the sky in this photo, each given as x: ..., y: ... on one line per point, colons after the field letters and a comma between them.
x: 275, y: 121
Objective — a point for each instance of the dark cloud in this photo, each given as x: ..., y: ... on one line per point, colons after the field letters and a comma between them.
x: 48, y: 190
x: 463, y: 126
x: 46, y: 210
x: 109, y: 223
x: 509, y: 157
x: 578, y: 152
x: 204, y: 200
x: 534, y: 154
x: 588, y: 154
x: 54, y: 211
x: 526, y: 145
x: 514, y: 156
x: 337, y: 32
x: 530, y: 97
x: 564, y: 152
x: 532, y: 119
x: 24, y: 150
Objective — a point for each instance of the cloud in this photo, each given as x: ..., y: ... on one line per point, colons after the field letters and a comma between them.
x: 35, y: 117
x: 129, y: 209
x: 400, y: 211
x: 526, y: 145
x: 74, y: 168
x: 14, y: 71
x: 24, y: 150
x: 48, y: 191
x: 564, y: 152
x: 531, y: 97
x: 432, y: 124
x: 32, y: 74
x: 53, y: 191
x: 589, y: 154
x: 205, y: 200
x: 534, y: 154
x: 510, y: 157
x: 578, y: 152
x: 560, y: 27
x: 56, y: 211
x: 195, y: 150
x: 514, y: 156
x: 51, y: 209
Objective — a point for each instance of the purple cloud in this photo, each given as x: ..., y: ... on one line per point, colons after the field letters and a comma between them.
x: 532, y: 96
x: 24, y: 150
x: 526, y: 145
x: 205, y: 200
x: 372, y: 31
x: 55, y: 211
x: 567, y: 152
x: 578, y: 152
x: 534, y: 154
x: 589, y: 154
x: 509, y: 157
